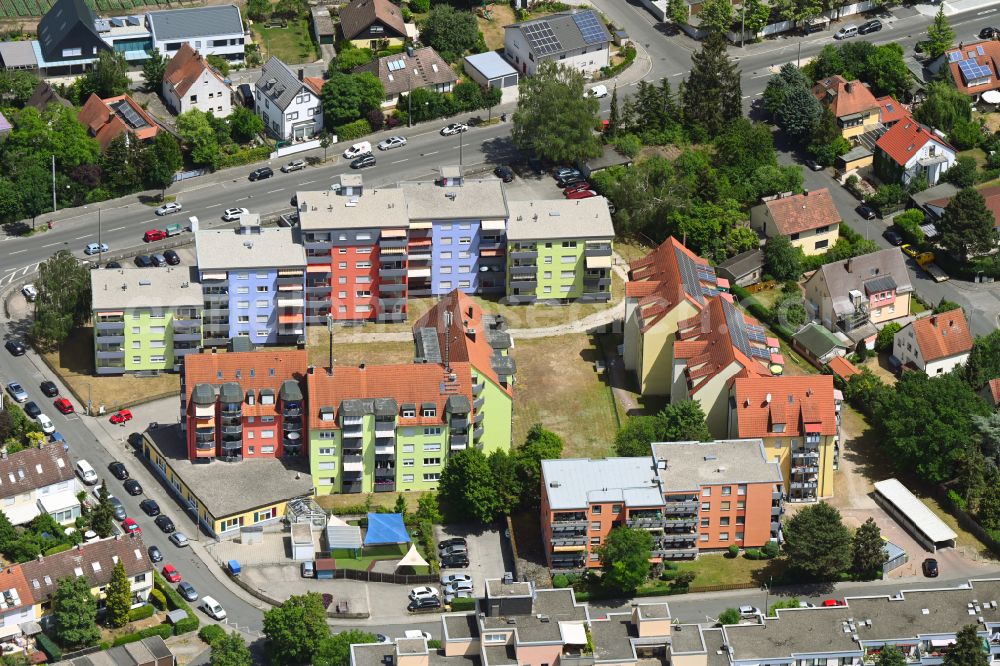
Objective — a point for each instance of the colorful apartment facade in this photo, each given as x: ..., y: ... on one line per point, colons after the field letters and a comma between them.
x: 559, y: 250
x: 691, y: 496
x: 253, y: 282
x: 144, y: 321
x: 244, y: 405
x: 669, y: 285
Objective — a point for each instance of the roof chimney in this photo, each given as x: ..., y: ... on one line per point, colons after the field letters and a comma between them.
x: 847, y: 265
x: 849, y: 87
x: 767, y: 399
x: 302, y: 74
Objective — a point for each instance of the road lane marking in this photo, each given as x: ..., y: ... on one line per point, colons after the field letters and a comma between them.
x: 280, y: 189
x: 82, y: 237
x: 19, y: 251
x: 117, y: 229
x: 214, y: 206
x: 243, y: 198
x: 308, y: 182
x: 407, y: 159
x: 434, y: 153
x: 52, y: 244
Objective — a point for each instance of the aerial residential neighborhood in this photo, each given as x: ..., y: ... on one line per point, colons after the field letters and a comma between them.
x: 381, y: 333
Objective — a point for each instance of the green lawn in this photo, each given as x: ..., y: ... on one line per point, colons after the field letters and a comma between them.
x: 293, y: 45
x: 345, y: 558
x: 719, y: 569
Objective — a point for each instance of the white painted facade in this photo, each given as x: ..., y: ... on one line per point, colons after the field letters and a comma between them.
x: 586, y: 59
x: 302, y: 118
x: 932, y: 160
x: 208, y: 93
x: 906, y: 350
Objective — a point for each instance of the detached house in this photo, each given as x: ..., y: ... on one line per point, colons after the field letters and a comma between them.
x: 290, y: 108
x: 851, y: 102
x: 576, y: 39
x: 372, y: 24
x: 109, y: 118
x: 67, y: 37
x: 189, y: 82
x: 974, y: 67
x: 404, y: 72
x: 810, y: 220
x: 909, y: 150
x: 936, y: 344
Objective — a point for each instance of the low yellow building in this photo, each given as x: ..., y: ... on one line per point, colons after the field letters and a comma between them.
x: 810, y: 220
x: 855, y: 107
x: 372, y: 24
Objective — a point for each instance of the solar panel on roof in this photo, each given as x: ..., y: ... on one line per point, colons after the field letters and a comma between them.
x: 590, y: 27
x: 760, y: 353
x: 689, y: 275
x: 129, y: 115
x: 979, y: 50
x: 737, y: 328
x: 955, y: 57
x: 971, y: 70
x: 541, y: 38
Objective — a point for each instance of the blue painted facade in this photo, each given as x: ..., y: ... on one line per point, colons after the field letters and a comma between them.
x: 253, y: 305
x: 455, y: 263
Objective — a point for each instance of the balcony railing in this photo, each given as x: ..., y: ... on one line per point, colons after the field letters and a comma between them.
x: 677, y: 554
x: 391, y: 271
x: 525, y: 270
x: 459, y: 421
x: 521, y: 255
x: 597, y: 250
x: 563, y: 542
x: 675, y: 508
x: 646, y: 523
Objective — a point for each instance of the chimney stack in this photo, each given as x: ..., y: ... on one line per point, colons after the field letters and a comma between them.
x: 849, y: 87
x: 302, y: 74
x: 847, y: 265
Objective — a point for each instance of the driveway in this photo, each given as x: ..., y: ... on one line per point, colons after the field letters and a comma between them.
x: 486, y: 552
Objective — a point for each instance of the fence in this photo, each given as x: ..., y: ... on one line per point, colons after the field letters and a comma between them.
x: 721, y: 588
x: 298, y: 148
x: 185, y: 175
x: 376, y: 577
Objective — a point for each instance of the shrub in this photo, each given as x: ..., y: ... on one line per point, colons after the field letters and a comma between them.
x: 463, y: 604
x: 957, y: 500
x: 141, y: 613
x: 58, y: 549
x: 187, y: 625
x: 627, y: 144
x: 734, y: 550
x: 434, y: 644
x: 162, y: 630
x: 211, y: 632
x: 908, y: 223
x: 158, y: 599
x: 560, y: 581
x: 247, y: 156
x: 420, y: 6
x: 729, y: 616
x: 771, y: 550
x: 753, y: 554
x: 352, y: 131
x: 885, y: 337
x: 48, y: 646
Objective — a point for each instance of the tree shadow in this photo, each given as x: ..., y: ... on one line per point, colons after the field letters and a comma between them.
x: 501, y: 150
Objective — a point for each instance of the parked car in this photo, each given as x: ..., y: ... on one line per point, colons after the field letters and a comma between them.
x: 187, y: 591
x: 454, y: 128
x: 17, y: 392
x: 866, y: 212
x: 143, y: 261
x: 132, y: 487
x: 454, y: 550
x: 417, y: 633
x: 423, y: 604
x: 172, y: 257
x: 580, y: 194
x: 459, y: 594
x: 562, y: 172
x: 869, y: 26
x: 582, y: 185
x: 308, y: 569
x: 806, y: 604
x: 423, y: 592
x: 118, y: 470
x: 154, y: 235
x: 64, y: 405
x: 30, y: 292
x: 363, y: 162
x: 213, y: 608
x: 989, y: 32
x: 448, y: 579
x: 150, y: 507
x: 131, y: 527
x: 455, y: 562
x: 31, y: 409
x: 169, y: 209
x: 294, y: 165
x: 454, y: 541
x: 179, y: 539
x: 159, y: 260
x: 154, y: 554
x: 749, y: 611
x: 261, y: 173
x: 930, y: 567
x: 171, y: 573
x: 46, y: 423
x: 832, y: 603
x: 909, y: 250
x: 814, y: 165
x: 392, y: 142
x: 15, y: 347
x: 504, y: 173
x: 569, y: 179
x: 846, y: 32
x: 121, y: 416
x: 49, y: 389
x: 165, y: 524
x: 358, y: 149
x: 892, y: 237
x: 598, y: 91
x: 232, y: 214
x: 458, y: 586
x: 96, y: 248
x: 113, y: 264
x: 118, y: 509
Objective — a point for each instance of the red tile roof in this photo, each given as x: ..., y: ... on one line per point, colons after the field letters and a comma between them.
x: 314, y: 82
x: 891, y: 111
x: 262, y: 369
x: 12, y: 578
x: 990, y: 58
x: 792, y: 401
x: 841, y: 367
x: 104, y: 124
x: 802, y: 212
x: 844, y: 97
x: 905, y: 138
x: 185, y: 68
x: 656, y: 280
x: 943, y: 335
x: 995, y: 391
x: 47, y: 571
x: 992, y: 197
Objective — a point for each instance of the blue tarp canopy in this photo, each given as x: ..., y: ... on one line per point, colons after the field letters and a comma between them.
x: 386, y: 528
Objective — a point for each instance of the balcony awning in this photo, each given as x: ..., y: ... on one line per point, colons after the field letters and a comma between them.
x: 493, y: 225
x: 318, y: 268
x: 394, y: 233
x: 290, y: 302
x: 490, y: 253
x: 568, y: 549
x: 354, y: 466
x: 418, y: 272
x: 421, y: 225
x: 573, y: 633
x: 290, y: 318
x: 942, y: 642
x: 207, y: 275
x: 207, y: 423
x: 111, y: 313
x: 598, y: 262
x: 290, y: 272
x: 392, y: 250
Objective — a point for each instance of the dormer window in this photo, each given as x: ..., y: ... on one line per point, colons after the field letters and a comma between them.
x: 778, y: 427
x: 409, y: 413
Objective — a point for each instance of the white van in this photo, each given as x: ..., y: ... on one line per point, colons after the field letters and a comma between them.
x: 847, y: 31
x: 599, y: 91
x: 86, y: 472
x: 213, y: 608
x: 358, y: 149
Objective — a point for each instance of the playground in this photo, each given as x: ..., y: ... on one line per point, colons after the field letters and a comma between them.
x: 385, y: 547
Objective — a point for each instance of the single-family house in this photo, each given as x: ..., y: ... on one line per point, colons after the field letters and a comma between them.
x: 890, y: 111
x: 810, y: 220
x: 818, y: 344
x: 854, y: 106
x: 934, y: 200
x: 189, y: 82
x: 214, y: 30
x: 991, y: 393
x: 744, y: 269
x: 372, y: 24
x: 909, y: 150
x: 18, y: 605
x: 109, y: 118
x: 415, y: 68
x: 974, y: 67
x: 38, y: 480
x: 575, y: 39
x: 68, y: 37
x: 151, y: 651
x: 860, y: 294
x: 44, y: 95
x: 289, y: 107
x: 935, y: 344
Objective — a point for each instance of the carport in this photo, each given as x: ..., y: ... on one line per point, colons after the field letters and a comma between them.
x: 343, y: 537
x: 929, y: 530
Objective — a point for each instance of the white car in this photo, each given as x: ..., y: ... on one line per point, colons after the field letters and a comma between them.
x: 46, y: 424
x: 422, y: 592
x: 94, y: 248
x: 232, y: 214
x: 213, y: 608
x: 392, y: 142
x: 599, y: 91
x: 168, y: 209
x: 454, y: 128
x: 294, y: 165
x: 458, y: 586
x: 358, y: 149
x: 749, y: 611
x: 416, y: 633
x: 30, y: 292
x: 448, y: 579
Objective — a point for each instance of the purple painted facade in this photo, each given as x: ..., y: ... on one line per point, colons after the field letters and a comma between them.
x: 455, y: 264
x: 254, y: 312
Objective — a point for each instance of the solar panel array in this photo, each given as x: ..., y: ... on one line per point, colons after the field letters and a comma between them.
x: 541, y: 38
x: 971, y: 70
x: 396, y: 65
x: 689, y: 275
x: 955, y: 57
x: 590, y: 27
x: 129, y: 115
x: 737, y: 328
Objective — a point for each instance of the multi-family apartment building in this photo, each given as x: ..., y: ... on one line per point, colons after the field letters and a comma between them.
x: 237, y: 405
x: 796, y: 418
x: 669, y: 285
x: 253, y: 282
x: 144, y: 321
x: 692, y: 496
x: 559, y: 250
x: 38, y: 480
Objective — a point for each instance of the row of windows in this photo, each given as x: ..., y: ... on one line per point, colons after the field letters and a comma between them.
x: 245, y: 319
x: 725, y: 491
x: 723, y: 506
x: 429, y: 431
x: 406, y: 478
x: 261, y: 289
x: 723, y: 521
x: 152, y: 359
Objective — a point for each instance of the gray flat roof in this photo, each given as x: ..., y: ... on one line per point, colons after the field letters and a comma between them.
x: 574, y: 483
x: 686, y: 638
x: 221, y: 249
x: 496, y: 588
x: 690, y: 465
x: 375, y: 208
x: 714, y: 645
x: 195, y: 22
x: 910, y: 506
x: 544, y: 219
x: 490, y: 64
x: 230, y: 488
x: 18, y: 54
x: 123, y: 288
x: 461, y: 625
x: 558, y: 605
x: 473, y: 200
x: 612, y: 638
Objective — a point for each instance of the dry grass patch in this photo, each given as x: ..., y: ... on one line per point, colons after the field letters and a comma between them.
x: 493, y: 30
x: 385, y: 500
x: 353, y: 354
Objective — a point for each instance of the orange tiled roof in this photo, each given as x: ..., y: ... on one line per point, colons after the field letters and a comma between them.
x: 314, y: 82
x: 12, y: 578
x: 794, y: 402
x: 891, y: 111
x: 661, y: 272
x: 185, y: 68
x: 405, y: 383
x: 844, y: 97
x: 801, y: 212
x: 943, y: 335
x: 262, y: 369
x: 905, y: 138
x: 990, y: 58
x: 995, y: 391
x: 841, y: 367
x: 105, y: 124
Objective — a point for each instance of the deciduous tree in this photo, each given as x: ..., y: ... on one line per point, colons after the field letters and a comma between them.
x: 782, y: 260
x: 717, y: 16
x: 678, y: 422
x: 153, y: 70
x: 107, y: 78
x: 539, y: 444
x: 984, y: 360
x: 63, y: 300
x: 335, y: 650
x: 295, y: 629
x: 678, y: 11
x: 348, y: 59
x: 200, y: 138
x: 467, y: 487
x: 162, y: 159
x: 244, y: 125
x: 868, y: 551
x: 74, y: 613
x: 817, y: 541
x: 451, y: 32
x: 230, y: 650
x: 625, y: 558
x: 554, y: 119
x: 349, y: 97
x: 890, y: 655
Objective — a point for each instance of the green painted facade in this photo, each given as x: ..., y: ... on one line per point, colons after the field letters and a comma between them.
x: 144, y: 339
x: 560, y: 270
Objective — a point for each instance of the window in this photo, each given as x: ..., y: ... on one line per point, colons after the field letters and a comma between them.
x: 446, y: 270
x: 595, y: 541
x: 446, y: 227
x: 432, y: 476
x: 266, y: 434
x: 706, y: 506
x: 446, y: 255
x: 727, y: 490
x: 567, y: 275
x: 702, y: 537
x: 243, y: 319
x: 821, y: 245
x: 446, y: 284
x: 706, y: 491
x: 446, y: 240
x: 546, y: 289
x: 242, y: 290
x: 243, y: 305
x: 262, y: 303
x: 724, y: 521
x: 407, y: 478
x: 327, y: 465
x: 428, y: 411
x: 432, y: 462
x: 569, y: 243
x: 435, y: 430
x: 740, y: 520
x: 326, y: 450
x: 262, y: 289
x: 596, y: 509
x: 741, y: 504
x: 432, y: 448
x: 267, y: 514
x: 706, y: 522
x: 262, y: 319
x: 616, y: 509
x: 464, y: 269
x: 595, y: 526
x: 741, y: 489
x: 464, y: 284
x: 464, y: 240
x: 156, y: 359
x: 407, y: 462
x: 726, y: 506
x: 739, y: 536
x: 495, y: 638
x: 547, y: 275
x: 567, y: 259
x: 723, y: 536
x: 409, y: 413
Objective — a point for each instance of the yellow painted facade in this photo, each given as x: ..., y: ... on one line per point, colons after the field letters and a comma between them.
x: 779, y: 450
x: 655, y: 349
x: 377, y: 44
x: 858, y: 123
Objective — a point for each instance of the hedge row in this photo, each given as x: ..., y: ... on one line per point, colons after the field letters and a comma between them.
x: 211, y: 633
x: 176, y: 601
x: 354, y: 130
x: 48, y: 646
x: 628, y: 53
x: 248, y: 156
x: 158, y: 599
x: 141, y: 613
x: 164, y: 631
x: 463, y: 604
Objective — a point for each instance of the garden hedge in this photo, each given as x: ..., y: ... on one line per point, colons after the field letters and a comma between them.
x: 141, y: 612
x: 49, y: 647
x: 211, y: 633
x: 164, y: 631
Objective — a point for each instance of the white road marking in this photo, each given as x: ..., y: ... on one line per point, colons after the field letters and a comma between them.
x: 214, y: 206
x: 82, y: 237
x: 280, y: 189
x: 52, y: 244
x: 434, y: 153
x: 406, y: 159
x: 19, y: 251
x: 243, y: 198
x: 117, y: 229
x: 308, y: 182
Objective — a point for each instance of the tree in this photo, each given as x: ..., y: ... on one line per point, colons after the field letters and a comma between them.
x: 8, y: 533
x: 349, y: 97
x: 335, y: 650
x: 102, y: 518
x: 295, y: 629
x: 625, y: 558
x: 817, y: 541
x: 258, y: 10
x: 121, y: 164
x: 74, y: 613
x: 153, y: 70
x: 967, y: 224
x: 944, y: 106
x: 787, y: 78
x: 108, y: 78
x: 539, y: 444
x: 467, y: 487
x: 940, y: 35
x: 712, y: 95
x: 717, y: 16
x: 729, y: 616
x: 678, y: 11
x: 400, y: 506
x: 886, y: 71
x: 63, y: 300
x: 504, y: 467
x: 451, y: 32
x: 162, y: 159
x: 68, y: 139
x: 198, y: 134
x: 244, y: 125
x: 885, y: 337
x: 984, y: 360
x: 219, y: 64
x: 755, y: 16
x: 118, y: 598
x: 782, y: 260
x: 678, y: 422
x: 962, y: 173
x: 428, y: 509
x: 554, y: 119
x: 967, y: 649
x: 798, y: 114
x: 349, y: 59
x: 16, y: 87
x: 468, y: 96
x: 868, y: 551
x: 229, y: 649
x: 890, y: 655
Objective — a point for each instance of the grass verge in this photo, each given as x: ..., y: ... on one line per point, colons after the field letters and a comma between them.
x: 718, y: 569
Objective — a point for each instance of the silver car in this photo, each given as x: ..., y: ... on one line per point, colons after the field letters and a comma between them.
x: 17, y: 392
x: 168, y: 209
x: 179, y: 539
x: 294, y: 165
x: 392, y: 142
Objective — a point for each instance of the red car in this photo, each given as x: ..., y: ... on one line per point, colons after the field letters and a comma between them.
x: 581, y: 194
x: 154, y: 235
x: 171, y: 574
x: 584, y: 185
x: 64, y: 405
x: 833, y: 602
x: 121, y: 416
x: 131, y: 527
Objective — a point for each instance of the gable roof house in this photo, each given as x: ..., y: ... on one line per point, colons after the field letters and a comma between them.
x: 974, y: 67
x: 668, y: 285
x: 743, y: 269
x: 909, y: 150
x: 44, y: 95
x: 369, y: 23
x: 576, y: 39
x: 112, y: 117
x: 38, y: 480
x: 412, y: 69
x: 810, y: 220
x: 290, y: 108
x: 857, y: 296
x: 67, y: 38
x: 851, y: 102
x: 189, y: 82
x: 936, y: 344
x: 213, y: 30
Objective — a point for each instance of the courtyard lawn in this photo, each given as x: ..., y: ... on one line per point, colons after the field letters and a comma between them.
x: 717, y: 569
x: 391, y: 552
x: 337, y: 503
x: 293, y: 45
